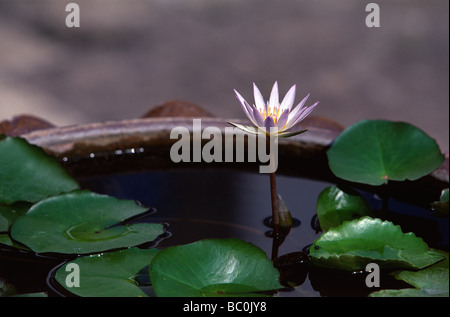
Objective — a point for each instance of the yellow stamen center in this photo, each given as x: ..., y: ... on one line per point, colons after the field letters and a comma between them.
x: 275, y: 113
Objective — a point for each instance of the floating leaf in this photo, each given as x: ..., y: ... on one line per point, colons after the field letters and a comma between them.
x: 213, y: 267
x: 336, y: 205
x: 82, y: 222
x: 432, y: 281
x: 9, y: 213
x: 354, y: 244
x: 5, y: 239
x: 113, y: 274
x: 375, y: 151
x: 27, y: 173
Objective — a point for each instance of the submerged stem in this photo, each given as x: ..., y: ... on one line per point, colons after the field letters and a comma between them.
x: 275, y: 219
x: 274, y: 199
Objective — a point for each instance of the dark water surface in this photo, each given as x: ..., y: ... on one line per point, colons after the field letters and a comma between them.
x: 221, y: 203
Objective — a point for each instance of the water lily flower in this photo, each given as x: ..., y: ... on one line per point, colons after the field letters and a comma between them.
x: 273, y: 114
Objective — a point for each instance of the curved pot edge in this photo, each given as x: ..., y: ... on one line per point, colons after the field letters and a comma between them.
x: 81, y: 140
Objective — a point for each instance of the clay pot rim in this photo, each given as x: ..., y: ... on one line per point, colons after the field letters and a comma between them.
x: 83, y: 139
x: 63, y: 140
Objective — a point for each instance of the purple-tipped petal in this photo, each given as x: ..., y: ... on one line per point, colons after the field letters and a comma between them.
x: 269, y: 123
x: 259, y: 99
x: 307, y: 112
x: 251, y: 113
x: 245, y: 106
x: 238, y: 95
x: 302, y: 115
x: 299, y: 107
x: 274, y: 101
x: 294, y: 118
x: 288, y: 99
x: 240, y: 98
x: 259, y: 120
x: 282, y: 120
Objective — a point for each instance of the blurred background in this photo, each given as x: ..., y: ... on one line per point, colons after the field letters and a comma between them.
x: 130, y: 56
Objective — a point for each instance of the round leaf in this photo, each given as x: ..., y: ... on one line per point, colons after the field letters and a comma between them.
x: 354, y: 244
x: 9, y: 213
x: 27, y: 173
x: 82, y: 222
x: 375, y: 151
x: 336, y: 205
x: 114, y: 274
x: 432, y: 281
x: 213, y: 267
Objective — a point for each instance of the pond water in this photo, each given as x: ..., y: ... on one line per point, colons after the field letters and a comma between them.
x: 221, y: 203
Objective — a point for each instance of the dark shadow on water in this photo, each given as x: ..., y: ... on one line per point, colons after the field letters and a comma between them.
x: 197, y: 204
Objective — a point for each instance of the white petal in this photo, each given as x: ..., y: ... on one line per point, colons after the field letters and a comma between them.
x: 274, y: 101
x: 252, y: 112
x: 259, y: 121
x: 288, y: 99
x: 282, y: 120
x: 246, y: 128
x: 259, y: 100
x: 301, y: 115
x: 294, y: 116
x: 244, y: 104
x: 239, y: 97
x: 299, y: 107
x: 306, y: 112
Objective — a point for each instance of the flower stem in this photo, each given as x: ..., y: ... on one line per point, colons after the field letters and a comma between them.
x: 275, y: 220
x: 274, y: 199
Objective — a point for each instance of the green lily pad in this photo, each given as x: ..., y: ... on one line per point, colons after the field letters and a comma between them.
x: 213, y: 267
x: 336, y: 205
x: 27, y: 173
x: 375, y: 151
x: 9, y: 213
x: 5, y: 239
x: 112, y: 274
x: 82, y: 222
x: 354, y: 244
x: 432, y: 281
